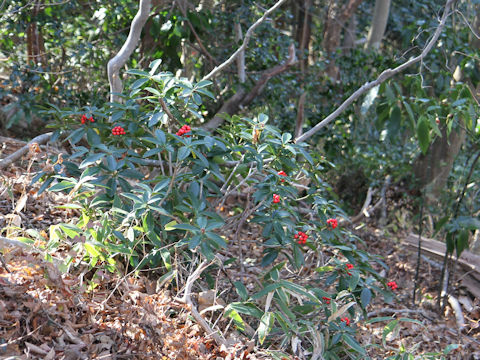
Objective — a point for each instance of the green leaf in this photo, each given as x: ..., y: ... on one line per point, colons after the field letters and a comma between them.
x: 170, y: 226
x: 423, y: 135
x: 247, y: 309
x: 187, y: 227
x: 241, y: 290
x: 91, y: 250
x: 365, y: 297
x: 352, y: 343
x: 154, y: 66
x: 237, y: 319
x: 139, y: 83
x: 388, y: 329
x: 91, y: 160
x: 203, y: 83
x: 266, y: 325
x: 462, y: 242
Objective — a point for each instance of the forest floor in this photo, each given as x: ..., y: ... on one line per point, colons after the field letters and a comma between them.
x: 45, y: 314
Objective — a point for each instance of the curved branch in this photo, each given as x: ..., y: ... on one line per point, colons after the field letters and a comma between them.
x: 127, y: 49
x: 385, y: 75
x: 241, y: 98
x: 248, y: 35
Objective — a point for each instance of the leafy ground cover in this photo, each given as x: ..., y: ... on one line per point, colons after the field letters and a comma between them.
x: 47, y: 314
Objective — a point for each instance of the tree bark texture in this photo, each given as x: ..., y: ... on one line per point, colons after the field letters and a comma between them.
x: 35, y: 44
x: 337, y: 16
x: 119, y: 60
x: 433, y: 169
x: 379, y: 24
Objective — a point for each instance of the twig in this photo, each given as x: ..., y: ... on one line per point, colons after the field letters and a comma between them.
x: 40, y: 139
x: 167, y: 110
x: 419, y: 249
x: 127, y: 49
x: 385, y: 75
x: 188, y: 300
x: 248, y: 35
x: 194, y: 32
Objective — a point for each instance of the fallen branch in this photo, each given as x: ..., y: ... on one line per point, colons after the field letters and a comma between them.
x: 127, y: 49
x: 41, y: 139
x: 186, y: 299
x: 457, y: 311
x: 384, y: 76
x: 246, y: 39
x: 6, y: 241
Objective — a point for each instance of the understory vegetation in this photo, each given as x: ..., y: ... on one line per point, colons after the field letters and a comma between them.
x: 253, y: 178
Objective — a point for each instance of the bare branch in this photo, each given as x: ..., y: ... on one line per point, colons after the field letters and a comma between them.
x: 385, y: 75
x: 248, y: 35
x: 188, y: 300
x: 241, y: 98
x: 41, y: 139
x: 127, y: 49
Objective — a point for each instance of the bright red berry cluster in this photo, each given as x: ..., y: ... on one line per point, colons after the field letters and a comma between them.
x: 349, y: 267
x: 276, y: 198
x: 393, y: 285
x: 346, y: 320
x: 118, y: 130
x: 301, y: 237
x: 282, y: 173
x: 183, y: 130
x: 333, y: 223
x: 326, y: 299
x: 84, y: 119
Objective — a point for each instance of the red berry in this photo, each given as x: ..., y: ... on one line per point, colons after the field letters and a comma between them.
x: 333, y: 223
x: 276, y: 198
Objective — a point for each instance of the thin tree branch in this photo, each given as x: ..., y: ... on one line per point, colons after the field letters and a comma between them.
x: 127, y: 49
x: 385, y: 75
x: 248, y: 35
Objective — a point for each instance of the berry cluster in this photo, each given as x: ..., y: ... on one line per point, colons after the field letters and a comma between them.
x: 301, y: 237
x: 183, y: 130
x: 333, y: 223
x: 84, y: 119
x: 349, y: 267
x: 393, y: 285
x: 346, y: 320
x: 118, y: 130
x: 326, y: 299
x: 282, y: 173
x: 276, y: 198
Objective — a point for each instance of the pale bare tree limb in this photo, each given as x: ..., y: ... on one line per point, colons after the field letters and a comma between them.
x: 242, y: 98
x: 385, y: 75
x: 246, y: 39
x: 186, y: 298
x: 241, y: 56
x: 41, y: 139
x: 119, y: 60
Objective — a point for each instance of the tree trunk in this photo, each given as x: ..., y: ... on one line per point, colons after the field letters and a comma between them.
x: 337, y: 17
x: 379, y: 24
x: 350, y: 35
x: 433, y: 169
